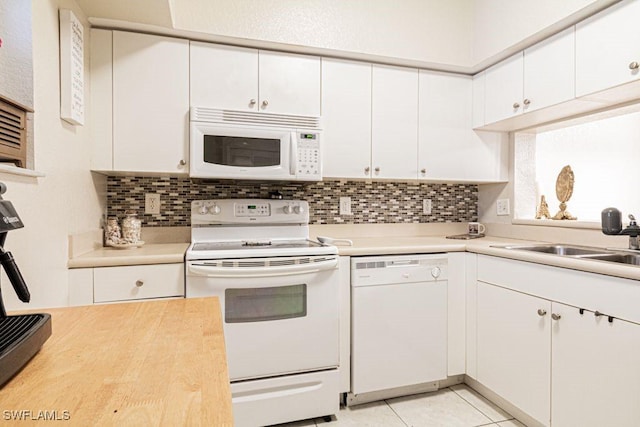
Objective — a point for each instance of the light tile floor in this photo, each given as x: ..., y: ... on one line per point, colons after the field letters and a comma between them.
x: 456, y: 406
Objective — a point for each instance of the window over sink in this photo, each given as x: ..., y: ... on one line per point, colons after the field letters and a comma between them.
x: 603, y: 152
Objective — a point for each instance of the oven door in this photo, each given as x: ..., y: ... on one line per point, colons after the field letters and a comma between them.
x: 280, y: 314
x: 241, y: 152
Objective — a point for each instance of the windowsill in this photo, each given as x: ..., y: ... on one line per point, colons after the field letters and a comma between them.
x: 558, y: 223
x: 14, y: 170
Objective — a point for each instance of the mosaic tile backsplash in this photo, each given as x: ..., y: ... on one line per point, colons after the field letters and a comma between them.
x: 371, y: 202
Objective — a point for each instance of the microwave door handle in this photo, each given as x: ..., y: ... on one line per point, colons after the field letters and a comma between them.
x: 293, y: 160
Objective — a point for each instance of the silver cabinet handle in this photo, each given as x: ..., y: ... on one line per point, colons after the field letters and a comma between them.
x: 252, y: 102
x: 139, y: 283
x: 516, y: 105
x: 377, y: 169
x: 555, y: 316
x: 367, y: 170
x: 423, y: 170
x: 542, y: 312
x: 183, y: 162
x: 526, y: 101
x: 634, y: 65
x: 265, y: 103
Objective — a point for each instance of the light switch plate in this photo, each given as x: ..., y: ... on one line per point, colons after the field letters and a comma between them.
x: 502, y: 207
x: 345, y: 206
x: 426, y: 206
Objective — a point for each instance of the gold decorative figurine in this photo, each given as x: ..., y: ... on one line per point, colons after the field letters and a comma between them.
x: 543, y: 209
x: 564, y: 190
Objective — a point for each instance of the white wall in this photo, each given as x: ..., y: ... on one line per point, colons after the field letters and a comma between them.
x: 15, y: 55
x: 500, y: 24
x: 433, y: 31
x: 454, y: 35
x: 66, y: 201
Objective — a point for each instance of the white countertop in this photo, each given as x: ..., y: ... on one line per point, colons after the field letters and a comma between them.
x: 485, y: 245
x: 158, y: 253
x: 167, y: 253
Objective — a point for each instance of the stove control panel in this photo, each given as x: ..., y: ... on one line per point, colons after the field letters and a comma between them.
x: 252, y: 209
x: 244, y: 211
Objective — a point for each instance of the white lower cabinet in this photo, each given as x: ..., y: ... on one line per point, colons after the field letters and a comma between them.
x: 514, y: 344
x: 125, y: 283
x: 595, y: 376
x: 543, y: 346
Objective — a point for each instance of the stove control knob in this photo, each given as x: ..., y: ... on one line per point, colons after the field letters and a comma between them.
x: 298, y: 209
x: 202, y: 210
x: 287, y: 209
x: 435, y: 272
x: 215, y: 209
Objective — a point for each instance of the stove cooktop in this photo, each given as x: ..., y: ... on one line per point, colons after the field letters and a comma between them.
x: 255, y: 244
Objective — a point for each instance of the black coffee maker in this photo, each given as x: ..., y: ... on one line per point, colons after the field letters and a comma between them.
x: 21, y: 336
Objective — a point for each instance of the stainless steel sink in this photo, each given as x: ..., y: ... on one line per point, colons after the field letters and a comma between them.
x: 581, y: 252
x: 620, y: 258
x: 557, y: 249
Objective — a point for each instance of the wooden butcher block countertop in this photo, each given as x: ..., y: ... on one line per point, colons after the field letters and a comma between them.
x: 146, y: 363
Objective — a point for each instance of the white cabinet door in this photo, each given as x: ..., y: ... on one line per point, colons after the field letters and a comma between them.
x: 224, y: 77
x: 606, y: 46
x: 595, y: 370
x: 549, y: 72
x: 503, y: 89
x: 478, y: 101
x: 514, y: 347
x: 448, y: 148
x: 101, y: 65
x: 150, y: 103
x: 289, y: 84
x: 346, y: 119
x: 394, y: 122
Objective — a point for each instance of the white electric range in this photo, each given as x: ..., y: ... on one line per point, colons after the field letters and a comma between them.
x: 278, y: 292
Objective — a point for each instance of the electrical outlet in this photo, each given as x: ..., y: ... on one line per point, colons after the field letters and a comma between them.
x: 426, y: 206
x: 345, y: 206
x: 502, y: 207
x: 152, y: 203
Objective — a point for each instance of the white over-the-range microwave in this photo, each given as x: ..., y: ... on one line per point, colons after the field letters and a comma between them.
x: 227, y: 144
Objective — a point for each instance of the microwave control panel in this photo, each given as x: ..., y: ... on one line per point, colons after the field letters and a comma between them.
x: 308, y: 161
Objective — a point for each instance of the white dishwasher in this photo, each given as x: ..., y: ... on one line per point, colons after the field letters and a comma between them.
x: 399, y: 321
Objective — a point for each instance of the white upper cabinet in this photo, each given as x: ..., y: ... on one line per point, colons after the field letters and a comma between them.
x: 346, y: 119
x: 549, y: 72
x: 289, y: 84
x: 448, y: 148
x: 238, y: 78
x: 608, y: 48
x: 478, y: 95
x: 503, y: 89
x: 140, y: 103
x: 150, y: 103
x: 394, y: 122
x: 224, y: 76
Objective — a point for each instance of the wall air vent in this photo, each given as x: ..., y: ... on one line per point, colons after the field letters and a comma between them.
x: 233, y: 117
x: 13, y: 134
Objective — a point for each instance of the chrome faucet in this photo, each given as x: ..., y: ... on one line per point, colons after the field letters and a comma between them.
x: 633, y: 231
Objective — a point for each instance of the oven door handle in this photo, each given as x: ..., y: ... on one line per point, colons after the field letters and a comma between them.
x: 201, y: 269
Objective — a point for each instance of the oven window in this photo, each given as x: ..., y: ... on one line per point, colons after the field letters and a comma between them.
x: 241, y: 151
x: 261, y: 304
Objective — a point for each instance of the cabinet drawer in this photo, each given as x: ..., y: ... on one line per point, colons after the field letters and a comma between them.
x: 138, y: 282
